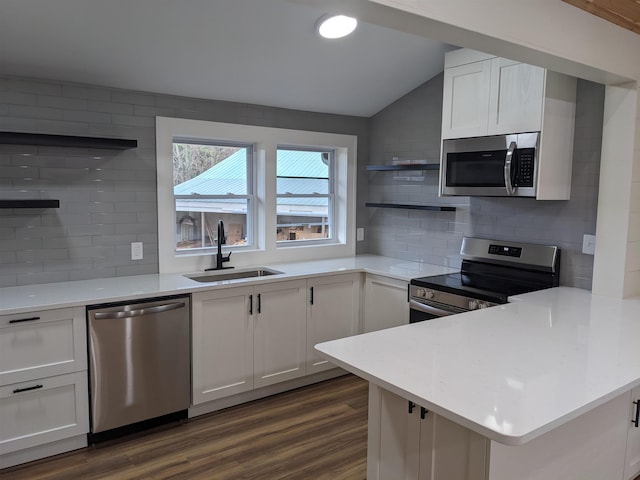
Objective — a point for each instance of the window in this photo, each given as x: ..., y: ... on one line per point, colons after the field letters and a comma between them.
x: 304, y: 194
x: 283, y: 195
x: 212, y: 182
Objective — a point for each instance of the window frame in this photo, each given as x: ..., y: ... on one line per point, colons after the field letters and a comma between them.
x: 330, y: 196
x: 266, y: 140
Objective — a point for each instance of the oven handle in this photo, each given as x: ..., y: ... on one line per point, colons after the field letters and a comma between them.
x: 424, y: 308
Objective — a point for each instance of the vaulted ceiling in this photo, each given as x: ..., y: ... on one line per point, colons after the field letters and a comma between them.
x: 251, y: 51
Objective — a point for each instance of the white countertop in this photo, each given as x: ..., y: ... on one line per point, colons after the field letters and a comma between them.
x: 511, y: 372
x: 67, y: 294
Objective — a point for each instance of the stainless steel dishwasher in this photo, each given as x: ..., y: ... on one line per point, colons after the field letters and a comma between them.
x: 139, y: 364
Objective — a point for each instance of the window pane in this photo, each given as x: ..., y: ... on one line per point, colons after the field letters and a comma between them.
x: 303, y: 172
x: 303, y: 218
x: 199, y: 172
x: 209, y: 169
x: 199, y: 228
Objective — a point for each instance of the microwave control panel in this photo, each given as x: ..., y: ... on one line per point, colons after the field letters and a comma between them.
x: 525, y: 167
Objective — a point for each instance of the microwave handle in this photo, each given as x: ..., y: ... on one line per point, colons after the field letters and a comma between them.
x: 511, y: 190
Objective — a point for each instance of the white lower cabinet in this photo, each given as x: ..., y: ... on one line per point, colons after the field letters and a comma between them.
x: 247, y: 337
x: 408, y: 442
x: 43, y: 410
x: 632, y: 457
x: 222, y: 343
x: 44, y: 405
x: 403, y: 445
x: 41, y: 344
x: 279, y: 340
x: 333, y: 312
x: 385, y: 303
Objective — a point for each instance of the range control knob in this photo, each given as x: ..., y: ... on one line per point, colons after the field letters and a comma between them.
x: 483, y: 305
x: 428, y: 294
x: 473, y: 304
x: 420, y: 292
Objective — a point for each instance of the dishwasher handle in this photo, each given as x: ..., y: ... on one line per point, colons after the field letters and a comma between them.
x: 139, y: 312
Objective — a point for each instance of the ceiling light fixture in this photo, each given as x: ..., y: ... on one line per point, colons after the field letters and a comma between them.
x: 335, y: 26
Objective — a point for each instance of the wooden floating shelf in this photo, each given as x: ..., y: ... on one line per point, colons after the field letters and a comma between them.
x: 46, y: 140
x: 436, y: 208
x: 417, y: 166
x: 35, y: 203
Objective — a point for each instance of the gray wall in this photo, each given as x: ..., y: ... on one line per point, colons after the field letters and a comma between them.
x: 410, y: 128
x: 107, y: 198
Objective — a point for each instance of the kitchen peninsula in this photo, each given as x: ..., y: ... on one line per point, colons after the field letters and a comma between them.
x: 539, y: 388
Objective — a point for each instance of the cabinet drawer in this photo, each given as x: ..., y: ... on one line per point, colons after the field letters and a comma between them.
x: 43, y: 410
x: 41, y: 344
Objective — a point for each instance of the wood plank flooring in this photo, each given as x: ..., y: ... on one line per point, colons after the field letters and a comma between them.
x: 316, y: 432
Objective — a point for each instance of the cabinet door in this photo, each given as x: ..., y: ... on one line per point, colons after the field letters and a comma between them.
x: 385, y: 303
x: 632, y: 458
x: 465, y: 103
x: 418, y: 444
x: 42, y: 344
x: 43, y: 410
x: 222, y: 343
x: 451, y: 451
x: 516, y: 98
x: 332, y: 312
x: 393, y: 437
x: 280, y: 317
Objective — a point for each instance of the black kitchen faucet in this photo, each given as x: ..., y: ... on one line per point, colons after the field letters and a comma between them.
x: 220, y: 258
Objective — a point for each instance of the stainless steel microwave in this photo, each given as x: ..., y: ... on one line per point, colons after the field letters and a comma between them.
x: 492, y: 166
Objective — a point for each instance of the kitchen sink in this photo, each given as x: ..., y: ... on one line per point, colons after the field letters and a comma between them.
x: 217, y: 276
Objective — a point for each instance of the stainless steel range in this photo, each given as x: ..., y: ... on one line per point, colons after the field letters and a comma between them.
x: 492, y: 270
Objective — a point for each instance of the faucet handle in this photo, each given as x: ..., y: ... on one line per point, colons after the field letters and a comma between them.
x: 227, y: 258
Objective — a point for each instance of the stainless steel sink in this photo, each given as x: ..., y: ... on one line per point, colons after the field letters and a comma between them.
x: 217, y: 276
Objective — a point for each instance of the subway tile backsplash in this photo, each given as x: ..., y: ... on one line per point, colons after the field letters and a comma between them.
x: 436, y: 237
x: 107, y: 198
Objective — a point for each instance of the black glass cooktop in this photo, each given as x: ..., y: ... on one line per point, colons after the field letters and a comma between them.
x: 494, y: 287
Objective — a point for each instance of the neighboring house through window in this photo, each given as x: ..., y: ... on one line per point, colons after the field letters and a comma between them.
x: 283, y: 195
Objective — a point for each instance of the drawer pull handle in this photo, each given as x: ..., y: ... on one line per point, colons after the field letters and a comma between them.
x: 19, y: 320
x: 636, y: 421
x: 26, y: 389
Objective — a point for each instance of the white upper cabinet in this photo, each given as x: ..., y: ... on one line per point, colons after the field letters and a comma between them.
x: 466, y: 100
x: 485, y: 95
x: 515, y: 97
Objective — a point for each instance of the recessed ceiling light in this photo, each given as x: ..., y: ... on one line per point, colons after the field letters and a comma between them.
x: 336, y: 26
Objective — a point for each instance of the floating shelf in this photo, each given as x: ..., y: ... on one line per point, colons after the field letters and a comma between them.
x: 415, y: 166
x: 35, y: 203
x: 436, y: 208
x: 46, y: 140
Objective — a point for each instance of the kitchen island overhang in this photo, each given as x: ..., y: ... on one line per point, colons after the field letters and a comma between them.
x: 510, y: 373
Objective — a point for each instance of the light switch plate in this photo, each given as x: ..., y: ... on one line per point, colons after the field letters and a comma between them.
x: 589, y: 244
x: 136, y: 251
x: 359, y: 234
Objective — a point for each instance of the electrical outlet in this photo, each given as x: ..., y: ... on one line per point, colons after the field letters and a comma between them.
x: 359, y: 234
x: 589, y: 244
x: 136, y: 250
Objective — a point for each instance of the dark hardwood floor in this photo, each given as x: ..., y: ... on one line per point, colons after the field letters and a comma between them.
x: 315, y: 432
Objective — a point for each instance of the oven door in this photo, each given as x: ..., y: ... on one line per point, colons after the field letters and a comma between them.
x: 421, y: 310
